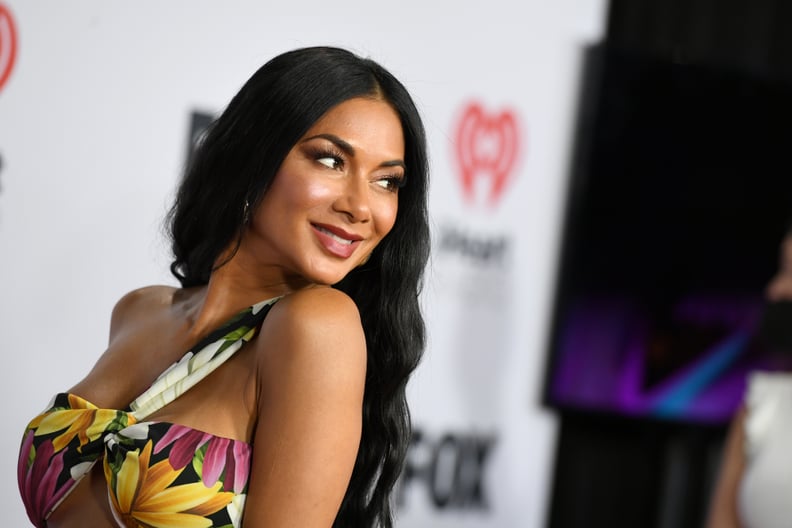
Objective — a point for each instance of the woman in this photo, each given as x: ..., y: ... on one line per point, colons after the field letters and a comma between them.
x: 753, y: 487
x: 289, y: 408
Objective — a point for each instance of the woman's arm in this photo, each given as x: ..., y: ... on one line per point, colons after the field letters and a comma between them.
x: 312, y: 367
x: 723, y: 507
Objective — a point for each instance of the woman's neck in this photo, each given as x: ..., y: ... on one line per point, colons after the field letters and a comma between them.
x: 232, y: 288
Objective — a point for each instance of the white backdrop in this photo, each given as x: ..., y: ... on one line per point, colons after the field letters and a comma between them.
x: 94, y: 121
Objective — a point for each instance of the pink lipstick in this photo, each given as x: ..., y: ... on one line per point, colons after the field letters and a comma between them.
x: 336, y: 241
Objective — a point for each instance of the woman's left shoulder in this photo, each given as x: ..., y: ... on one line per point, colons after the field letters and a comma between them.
x: 312, y: 322
x: 319, y: 306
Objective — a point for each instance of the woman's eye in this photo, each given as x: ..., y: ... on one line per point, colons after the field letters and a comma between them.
x: 331, y: 162
x: 391, y: 183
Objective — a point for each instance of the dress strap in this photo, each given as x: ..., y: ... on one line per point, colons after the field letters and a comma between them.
x: 202, y: 360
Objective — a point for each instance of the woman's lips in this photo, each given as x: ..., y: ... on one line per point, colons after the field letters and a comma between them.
x: 336, y: 241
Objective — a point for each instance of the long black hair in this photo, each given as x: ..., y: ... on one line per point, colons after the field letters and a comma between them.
x: 231, y: 170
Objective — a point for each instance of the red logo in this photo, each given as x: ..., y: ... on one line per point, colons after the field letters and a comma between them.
x: 487, y: 147
x: 8, y: 44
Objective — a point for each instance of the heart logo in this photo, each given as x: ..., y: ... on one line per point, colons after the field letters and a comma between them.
x: 8, y: 44
x: 486, y: 150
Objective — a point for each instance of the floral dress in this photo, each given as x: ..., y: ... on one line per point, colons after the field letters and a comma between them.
x: 159, y: 474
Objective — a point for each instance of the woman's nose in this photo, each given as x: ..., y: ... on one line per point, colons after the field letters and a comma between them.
x: 353, y: 199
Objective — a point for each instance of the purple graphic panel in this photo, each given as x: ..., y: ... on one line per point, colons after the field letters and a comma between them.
x: 689, y: 363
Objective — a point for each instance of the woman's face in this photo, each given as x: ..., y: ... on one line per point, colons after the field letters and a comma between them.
x: 335, y: 196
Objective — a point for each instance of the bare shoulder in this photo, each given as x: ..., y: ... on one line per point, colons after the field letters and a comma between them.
x: 321, y: 302
x: 136, y: 304
x: 320, y: 325
x: 112, y: 378
x: 317, y: 309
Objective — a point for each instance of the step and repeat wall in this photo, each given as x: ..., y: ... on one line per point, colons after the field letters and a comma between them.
x: 98, y: 102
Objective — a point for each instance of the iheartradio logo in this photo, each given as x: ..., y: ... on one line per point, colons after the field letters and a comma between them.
x: 8, y: 44
x: 487, y: 147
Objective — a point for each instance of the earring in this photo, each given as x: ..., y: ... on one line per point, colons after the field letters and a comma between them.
x: 246, y: 212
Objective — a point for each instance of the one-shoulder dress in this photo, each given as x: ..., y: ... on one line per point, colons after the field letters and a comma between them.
x: 764, y: 491
x: 159, y: 474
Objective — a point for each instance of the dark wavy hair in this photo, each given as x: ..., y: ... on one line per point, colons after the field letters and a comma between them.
x: 234, y: 165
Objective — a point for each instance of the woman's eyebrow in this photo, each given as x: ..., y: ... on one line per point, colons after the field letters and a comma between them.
x: 337, y: 141
x: 394, y: 163
x: 350, y: 150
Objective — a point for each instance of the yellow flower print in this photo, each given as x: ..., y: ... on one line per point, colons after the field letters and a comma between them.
x: 142, y: 496
x: 83, y: 420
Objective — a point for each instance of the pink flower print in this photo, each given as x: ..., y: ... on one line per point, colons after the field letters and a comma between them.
x: 215, y: 460
x: 240, y: 458
x: 231, y: 456
x: 186, y: 442
x: 223, y: 456
x: 38, y: 480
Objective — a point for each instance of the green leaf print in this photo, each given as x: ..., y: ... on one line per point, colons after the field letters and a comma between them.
x: 121, y: 421
x: 197, y: 461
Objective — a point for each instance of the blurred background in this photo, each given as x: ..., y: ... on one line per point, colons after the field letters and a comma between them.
x: 609, y: 192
